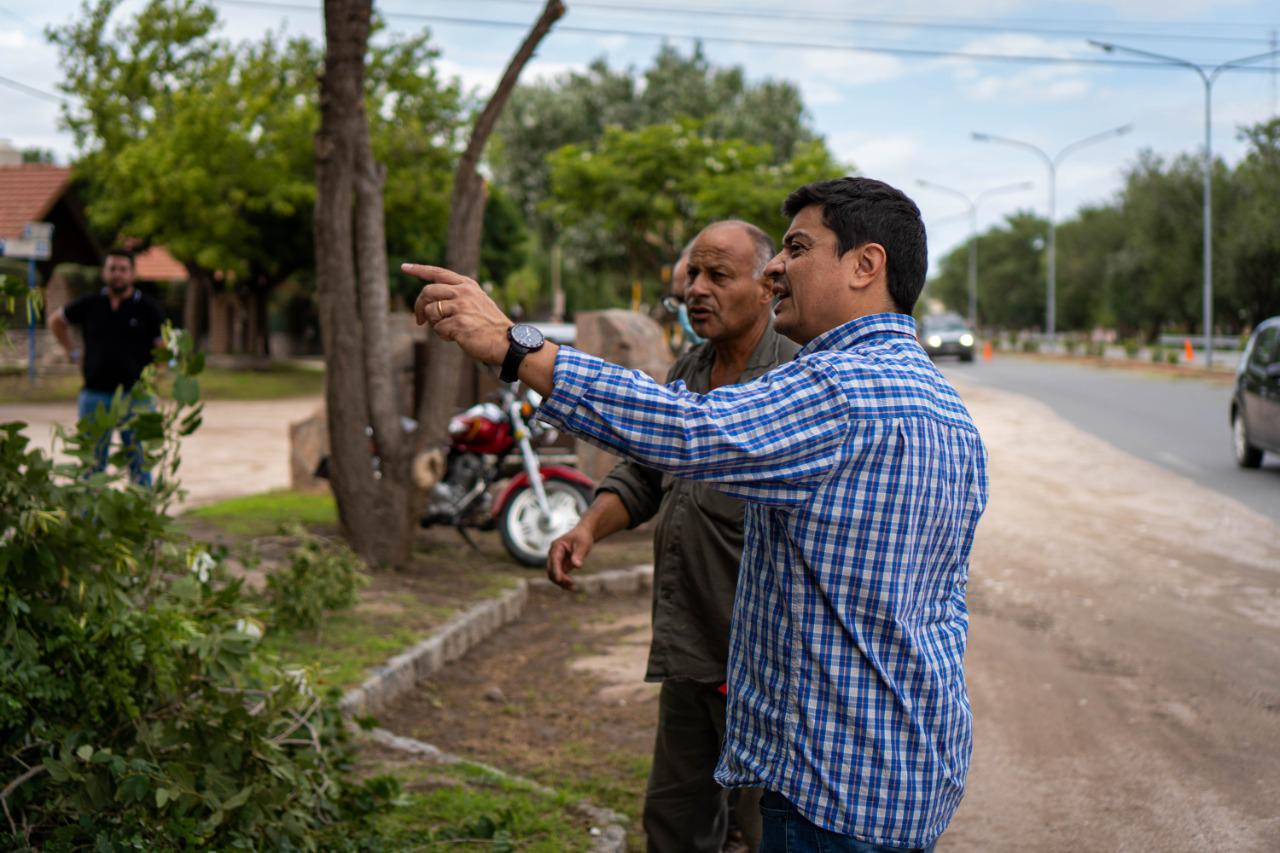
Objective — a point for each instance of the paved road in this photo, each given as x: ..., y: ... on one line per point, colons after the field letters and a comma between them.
x: 1180, y: 424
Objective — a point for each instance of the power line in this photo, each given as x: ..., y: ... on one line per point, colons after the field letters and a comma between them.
x: 796, y: 45
x: 893, y: 23
x: 20, y: 19
x: 32, y: 90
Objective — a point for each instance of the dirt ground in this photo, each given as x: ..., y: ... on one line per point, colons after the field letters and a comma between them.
x: 242, y: 448
x: 558, y: 697
x: 1124, y: 663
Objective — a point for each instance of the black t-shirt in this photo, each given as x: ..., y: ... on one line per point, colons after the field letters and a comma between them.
x: 117, y: 342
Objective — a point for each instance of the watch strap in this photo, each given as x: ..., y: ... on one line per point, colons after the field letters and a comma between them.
x: 510, y: 371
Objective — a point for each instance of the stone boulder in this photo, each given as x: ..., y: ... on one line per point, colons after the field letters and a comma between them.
x: 628, y: 339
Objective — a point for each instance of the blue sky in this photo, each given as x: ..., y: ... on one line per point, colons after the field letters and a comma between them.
x: 898, y: 117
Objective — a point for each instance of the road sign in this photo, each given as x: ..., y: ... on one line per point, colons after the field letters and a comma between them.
x: 37, y: 231
x: 39, y: 250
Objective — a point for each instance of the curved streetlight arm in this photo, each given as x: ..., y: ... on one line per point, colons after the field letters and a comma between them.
x: 968, y: 202
x: 1208, y: 80
x: 1199, y: 69
x: 1089, y: 140
x: 1112, y: 48
x: 991, y: 137
x: 1236, y: 63
x: 1007, y: 188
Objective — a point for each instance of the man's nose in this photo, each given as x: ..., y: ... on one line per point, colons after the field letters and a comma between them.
x: 775, y: 267
x: 697, y: 287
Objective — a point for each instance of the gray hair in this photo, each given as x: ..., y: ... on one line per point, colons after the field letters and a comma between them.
x: 761, y: 242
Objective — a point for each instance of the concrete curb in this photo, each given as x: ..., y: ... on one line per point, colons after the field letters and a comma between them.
x: 401, y: 674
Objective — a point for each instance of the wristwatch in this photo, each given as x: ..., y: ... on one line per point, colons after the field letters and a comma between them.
x: 522, y: 339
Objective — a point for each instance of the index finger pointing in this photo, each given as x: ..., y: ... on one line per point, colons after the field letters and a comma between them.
x: 438, y: 275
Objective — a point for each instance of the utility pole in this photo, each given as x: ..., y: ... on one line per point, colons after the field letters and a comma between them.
x: 972, y: 205
x: 1208, y: 79
x: 1051, y: 254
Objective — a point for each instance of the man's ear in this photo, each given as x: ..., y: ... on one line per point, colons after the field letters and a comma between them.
x: 867, y: 263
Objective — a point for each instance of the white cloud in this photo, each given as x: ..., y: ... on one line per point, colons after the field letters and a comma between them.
x: 876, y: 154
x: 13, y: 40
x: 989, y: 80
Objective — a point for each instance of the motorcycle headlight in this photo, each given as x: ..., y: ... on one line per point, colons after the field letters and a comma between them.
x: 935, y: 341
x: 966, y: 340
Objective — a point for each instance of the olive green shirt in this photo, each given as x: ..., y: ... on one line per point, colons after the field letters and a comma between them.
x: 698, y: 542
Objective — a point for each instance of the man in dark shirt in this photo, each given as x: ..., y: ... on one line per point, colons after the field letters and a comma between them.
x: 697, y: 545
x: 120, y: 327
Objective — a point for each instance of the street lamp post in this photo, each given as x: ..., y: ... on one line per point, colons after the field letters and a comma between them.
x: 972, y: 204
x: 1051, y: 275
x: 1208, y: 79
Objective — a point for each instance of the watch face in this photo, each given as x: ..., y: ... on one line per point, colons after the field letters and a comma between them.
x: 526, y: 336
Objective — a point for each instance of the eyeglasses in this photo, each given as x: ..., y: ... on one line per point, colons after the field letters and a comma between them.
x: 672, y: 304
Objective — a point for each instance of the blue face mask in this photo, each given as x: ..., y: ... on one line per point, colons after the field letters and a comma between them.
x: 682, y: 314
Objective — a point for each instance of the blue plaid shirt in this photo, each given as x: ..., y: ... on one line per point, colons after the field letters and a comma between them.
x: 865, y: 478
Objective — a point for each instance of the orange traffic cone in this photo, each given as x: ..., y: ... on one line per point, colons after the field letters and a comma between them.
x: 1187, y: 352
x: 986, y: 351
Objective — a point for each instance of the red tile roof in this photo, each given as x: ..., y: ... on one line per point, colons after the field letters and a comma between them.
x: 27, y: 193
x: 156, y: 264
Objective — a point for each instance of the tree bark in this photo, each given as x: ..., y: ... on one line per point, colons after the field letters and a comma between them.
x: 466, y: 221
x: 346, y: 401
x: 396, y: 504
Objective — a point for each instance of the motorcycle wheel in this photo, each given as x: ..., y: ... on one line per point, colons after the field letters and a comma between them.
x: 526, y: 534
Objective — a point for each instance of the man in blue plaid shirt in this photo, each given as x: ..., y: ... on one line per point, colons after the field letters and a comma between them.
x: 864, y: 478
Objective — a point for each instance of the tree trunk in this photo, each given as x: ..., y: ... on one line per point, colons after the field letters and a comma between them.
x: 346, y: 400
x: 194, y: 304
x: 466, y: 221
x: 396, y: 504
x: 378, y: 516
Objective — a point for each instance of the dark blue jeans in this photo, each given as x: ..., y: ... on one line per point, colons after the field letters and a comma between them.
x: 788, y: 831
x: 88, y: 403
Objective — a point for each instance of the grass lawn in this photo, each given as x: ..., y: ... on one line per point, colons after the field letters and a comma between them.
x: 263, y: 514
x: 465, y: 806
x: 351, y: 643
x: 397, y: 608
x: 273, y: 383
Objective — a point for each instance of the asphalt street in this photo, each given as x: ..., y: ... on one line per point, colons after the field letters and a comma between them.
x: 1178, y: 423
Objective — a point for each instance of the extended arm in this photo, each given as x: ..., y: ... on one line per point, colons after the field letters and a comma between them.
x: 770, y: 441
x: 62, y: 331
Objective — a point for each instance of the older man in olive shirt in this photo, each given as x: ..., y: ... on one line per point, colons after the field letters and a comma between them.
x: 697, y: 545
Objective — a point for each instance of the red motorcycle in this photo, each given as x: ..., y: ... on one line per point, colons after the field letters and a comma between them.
x: 491, y: 442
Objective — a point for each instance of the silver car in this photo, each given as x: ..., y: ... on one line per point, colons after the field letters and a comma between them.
x: 946, y: 334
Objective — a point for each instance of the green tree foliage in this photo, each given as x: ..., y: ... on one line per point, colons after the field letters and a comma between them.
x: 638, y: 196
x: 135, y: 710
x: 1092, y: 287
x: 185, y: 140
x: 206, y: 146
x: 580, y: 108
x: 38, y: 155
x: 1251, y: 260
x: 1136, y: 263
x: 1011, y: 281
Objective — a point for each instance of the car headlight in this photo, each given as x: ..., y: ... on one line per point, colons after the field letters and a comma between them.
x: 935, y: 341
x: 966, y: 340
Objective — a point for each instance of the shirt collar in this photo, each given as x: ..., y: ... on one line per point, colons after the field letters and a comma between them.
x: 136, y: 297
x: 763, y: 358
x: 861, y: 329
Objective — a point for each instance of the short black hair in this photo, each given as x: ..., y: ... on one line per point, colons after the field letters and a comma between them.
x: 864, y: 210
x: 121, y: 252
